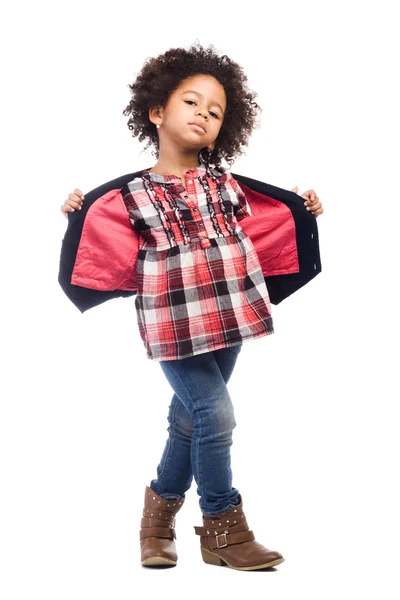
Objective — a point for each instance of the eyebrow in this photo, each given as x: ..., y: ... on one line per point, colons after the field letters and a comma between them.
x: 201, y: 96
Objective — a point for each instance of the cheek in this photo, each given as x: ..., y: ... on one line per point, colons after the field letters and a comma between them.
x: 217, y: 127
x: 186, y: 113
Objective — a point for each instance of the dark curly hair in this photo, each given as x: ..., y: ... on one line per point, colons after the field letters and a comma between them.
x: 162, y: 75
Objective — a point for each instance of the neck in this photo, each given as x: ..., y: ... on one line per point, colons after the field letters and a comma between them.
x: 172, y: 161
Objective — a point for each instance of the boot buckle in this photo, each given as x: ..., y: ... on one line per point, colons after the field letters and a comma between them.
x: 225, y: 540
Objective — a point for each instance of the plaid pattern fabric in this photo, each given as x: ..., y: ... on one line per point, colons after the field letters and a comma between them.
x: 200, y: 284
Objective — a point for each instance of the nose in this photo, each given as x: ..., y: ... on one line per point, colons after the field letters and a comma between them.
x: 203, y: 112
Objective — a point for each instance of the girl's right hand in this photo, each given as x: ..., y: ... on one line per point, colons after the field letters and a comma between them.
x: 73, y: 201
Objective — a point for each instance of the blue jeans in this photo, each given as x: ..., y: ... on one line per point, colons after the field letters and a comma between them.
x: 201, y: 420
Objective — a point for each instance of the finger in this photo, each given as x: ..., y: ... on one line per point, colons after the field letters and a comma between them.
x: 310, y: 196
x: 295, y: 189
x: 75, y: 197
x: 306, y: 197
x: 67, y: 206
x: 74, y: 201
x: 318, y: 212
x: 314, y: 207
x: 73, y: 204
x: 78, y: 192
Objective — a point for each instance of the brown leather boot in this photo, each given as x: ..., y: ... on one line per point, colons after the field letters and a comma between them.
x: 227, y: 540
x: 157, y: 533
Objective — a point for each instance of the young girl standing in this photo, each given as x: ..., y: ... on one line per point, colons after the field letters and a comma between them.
x: 201, y: 291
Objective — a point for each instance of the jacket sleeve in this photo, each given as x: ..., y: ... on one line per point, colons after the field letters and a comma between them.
x: 99, y: 250
x: 284, y: 235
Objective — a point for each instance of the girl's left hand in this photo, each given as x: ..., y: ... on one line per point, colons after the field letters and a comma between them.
x: 312, y: 202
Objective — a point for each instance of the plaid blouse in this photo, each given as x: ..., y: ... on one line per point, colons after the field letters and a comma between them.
x: 200, y: 283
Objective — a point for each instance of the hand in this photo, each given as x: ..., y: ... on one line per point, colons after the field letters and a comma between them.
x: 312, y: 202
x: 73, y: 201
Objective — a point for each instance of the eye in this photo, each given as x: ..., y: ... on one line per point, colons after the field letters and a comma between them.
x: 211, y: 113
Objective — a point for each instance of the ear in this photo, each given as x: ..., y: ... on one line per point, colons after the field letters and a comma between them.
x: 155, y: 114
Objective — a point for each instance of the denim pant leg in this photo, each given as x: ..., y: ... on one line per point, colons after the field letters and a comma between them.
x: 199, y: 383
x: 174, y: 472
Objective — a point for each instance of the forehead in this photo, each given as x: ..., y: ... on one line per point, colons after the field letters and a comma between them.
x: 206, y: 85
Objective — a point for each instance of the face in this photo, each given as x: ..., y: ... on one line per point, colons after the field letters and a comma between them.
x: 198, y: 100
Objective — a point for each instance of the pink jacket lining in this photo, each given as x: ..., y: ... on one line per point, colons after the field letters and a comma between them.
x: 109, y: 245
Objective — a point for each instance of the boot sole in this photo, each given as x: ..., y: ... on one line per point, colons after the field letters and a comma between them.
x: 214, y: 559
x: 154, y: 561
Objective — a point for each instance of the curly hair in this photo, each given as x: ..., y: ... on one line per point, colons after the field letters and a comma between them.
x: 162, y: 75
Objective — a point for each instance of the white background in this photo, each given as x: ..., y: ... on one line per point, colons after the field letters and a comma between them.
x: 84, y: 412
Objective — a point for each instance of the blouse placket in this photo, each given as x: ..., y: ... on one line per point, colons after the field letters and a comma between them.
x: 190, y: 198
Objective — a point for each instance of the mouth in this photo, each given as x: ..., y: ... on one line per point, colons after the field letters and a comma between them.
x: 197, y: 127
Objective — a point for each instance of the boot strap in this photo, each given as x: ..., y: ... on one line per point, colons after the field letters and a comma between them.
x: 160, y: 532
x: 227, y: 539
x: 152, y: 522
x: 158, y: 514
x: 221, y: 522
x: 207, y: 531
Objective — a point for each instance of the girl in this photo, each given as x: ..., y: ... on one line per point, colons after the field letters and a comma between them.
x: 201, y: 291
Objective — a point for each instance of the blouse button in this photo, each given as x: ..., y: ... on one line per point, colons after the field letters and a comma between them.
x: 194, y: 209
x: 201, y: 225
x: 190, y: 181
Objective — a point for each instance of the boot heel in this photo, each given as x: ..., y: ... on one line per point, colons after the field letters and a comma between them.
x: 211, y: 559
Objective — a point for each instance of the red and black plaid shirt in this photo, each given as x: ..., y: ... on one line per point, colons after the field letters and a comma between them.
x: 200, y: 284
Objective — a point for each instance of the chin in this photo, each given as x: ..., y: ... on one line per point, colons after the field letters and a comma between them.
x: 188, y: 144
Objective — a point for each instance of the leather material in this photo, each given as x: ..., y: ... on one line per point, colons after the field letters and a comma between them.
x: 227, y: 540
x: 157, y: 529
